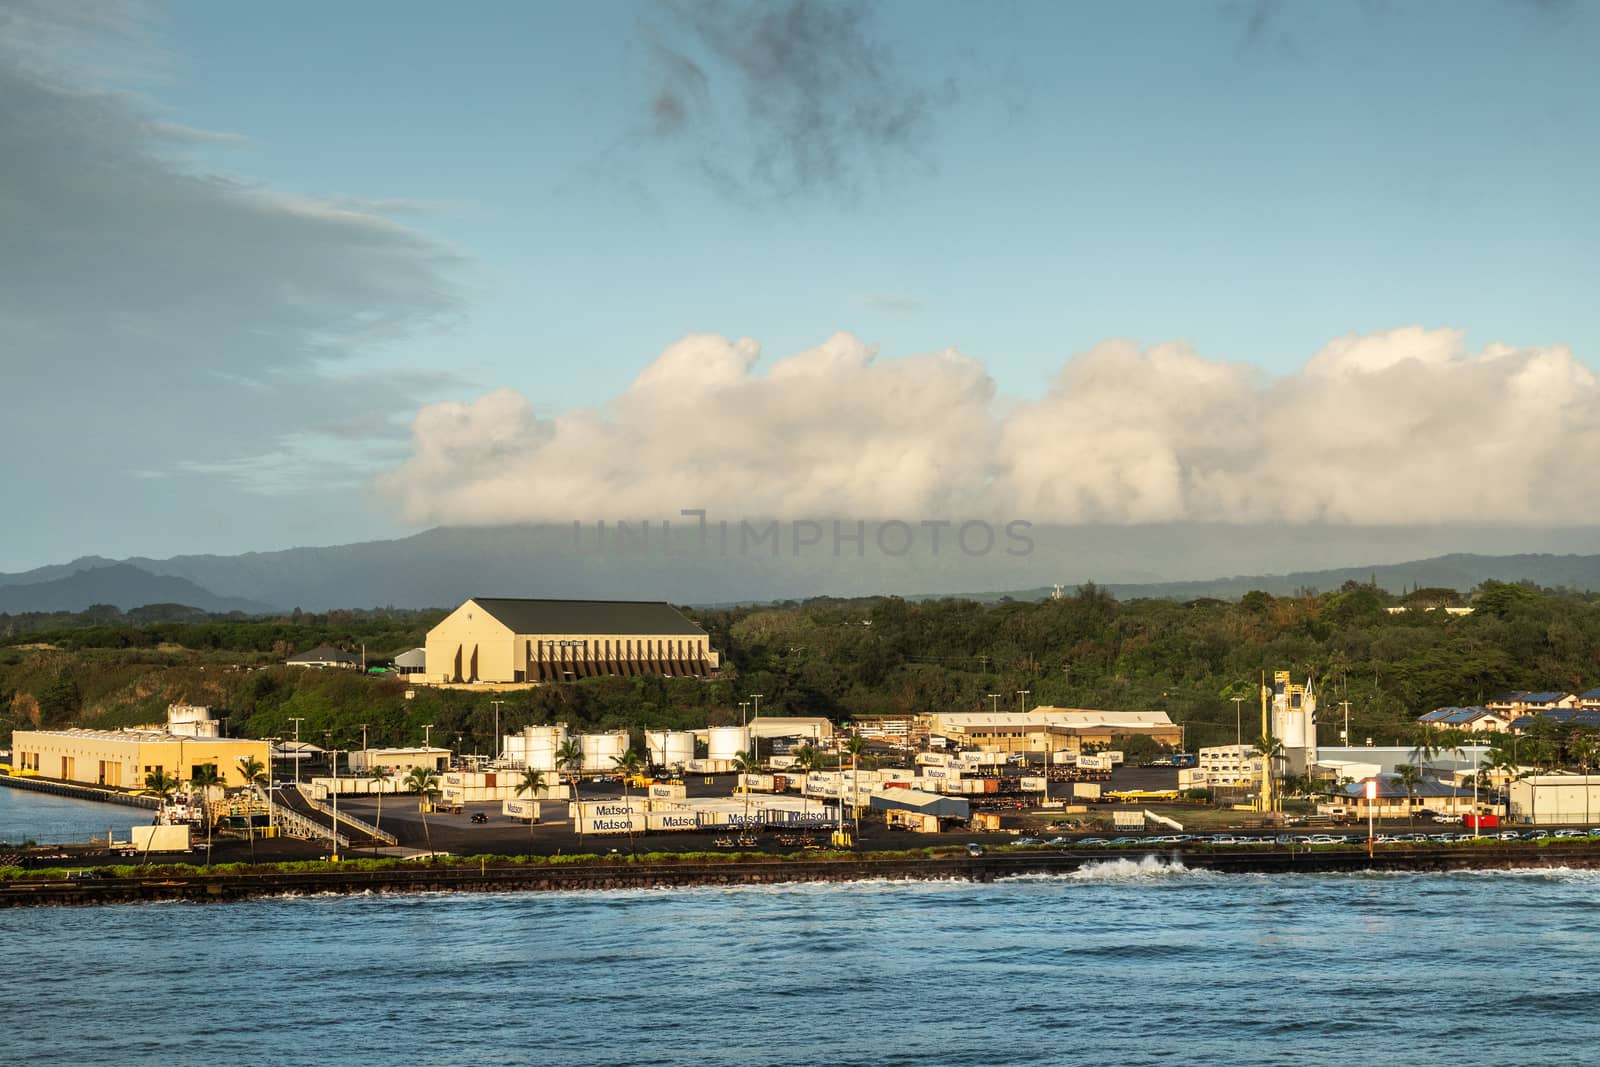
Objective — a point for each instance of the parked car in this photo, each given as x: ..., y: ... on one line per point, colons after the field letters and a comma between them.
x: 974, y: 849
x: 1092, y: 841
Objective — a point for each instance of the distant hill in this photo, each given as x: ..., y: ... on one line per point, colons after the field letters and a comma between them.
x: 1459, y: 571
x: 439, y: 568
x: 119, y: 584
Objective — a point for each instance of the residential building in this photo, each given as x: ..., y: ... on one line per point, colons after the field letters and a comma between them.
x: 1227, y: 765
x: 1476, y: 719
x: 325, y: 656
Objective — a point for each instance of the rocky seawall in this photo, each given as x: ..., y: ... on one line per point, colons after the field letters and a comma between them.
x: 498, y: 877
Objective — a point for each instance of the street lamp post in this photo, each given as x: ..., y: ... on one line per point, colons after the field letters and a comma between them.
x: 497, y: 704
x: 755, y: 713
x: 271, y: 743
x: 335, y: 826
x: 994, y: 703
x: 1238, y: 724
x: 1372, y: 797
x: 427, y: 735
x: 297, y: 752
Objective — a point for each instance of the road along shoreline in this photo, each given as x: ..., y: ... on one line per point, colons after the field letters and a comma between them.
x: 497, y: 875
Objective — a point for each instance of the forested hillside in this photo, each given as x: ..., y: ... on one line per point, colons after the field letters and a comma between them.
x: 840, y: 658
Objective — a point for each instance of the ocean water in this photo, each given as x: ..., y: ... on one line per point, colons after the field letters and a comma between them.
x: 1123, y: 963
x: 52, y: 820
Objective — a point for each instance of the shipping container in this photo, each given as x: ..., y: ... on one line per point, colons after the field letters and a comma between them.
x: 612, y: 824
x: 592, y: 809
x: 672, y: 820
x: 1480, y: 822
x: 526, y: 810
x: 1031, y: 785
x: 666, y: 791
x: 1086, y: 790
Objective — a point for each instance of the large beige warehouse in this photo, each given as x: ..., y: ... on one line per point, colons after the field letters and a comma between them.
x: 508, y: 640
x: 120, y: 759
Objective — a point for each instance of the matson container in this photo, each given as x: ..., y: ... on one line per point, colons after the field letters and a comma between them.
x: 672, y: 820
x: 594, y: 809
x: 612, y: 824
x: 526, y: 810
x: 666, y: 791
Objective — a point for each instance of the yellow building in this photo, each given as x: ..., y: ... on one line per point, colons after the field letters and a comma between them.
x: 1051, y: 729
x: 120, y: 759
x: 509, y: 640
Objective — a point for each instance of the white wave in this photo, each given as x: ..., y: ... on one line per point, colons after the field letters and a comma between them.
x: 1144, y: 869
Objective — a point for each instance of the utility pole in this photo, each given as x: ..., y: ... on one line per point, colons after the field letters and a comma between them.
x: 297, y: 752
x: 497, y: 704
x: 755, y: 713
x: 1345, y: 736
x: 363, y: 741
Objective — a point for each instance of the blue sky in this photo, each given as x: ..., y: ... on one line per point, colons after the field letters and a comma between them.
x: 1254, y: 179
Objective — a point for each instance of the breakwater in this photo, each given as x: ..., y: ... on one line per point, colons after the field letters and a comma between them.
x: 201, y: 886
x: 78, y: 792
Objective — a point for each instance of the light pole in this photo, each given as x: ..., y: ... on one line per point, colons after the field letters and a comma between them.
x: 335, y: 826
x: 994, y: 703
x: 271, y: 743
x: 363, y: 741
x: 755, y: 713
x: 1238, y: 725
x: 297, y: 752
x: 497, y: 704
x: 1022, y: 699
x: 427, y: 736
x: 1344, y: 737
x: 1372, y: 798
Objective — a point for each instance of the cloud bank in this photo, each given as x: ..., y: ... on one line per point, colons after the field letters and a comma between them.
x: 1404, y: 427
x: 159, y: 320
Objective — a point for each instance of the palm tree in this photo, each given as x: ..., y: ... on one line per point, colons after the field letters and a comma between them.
x: 1409, y: 777
x: 856, y: 746
x: 745, y: 766
x: 532, y: 782
x: 1426, y: 743
x: 254, y: 773
x: 1584, y: 750
x: 569, y: 757
x: 379, y: 775
x: 1502, y: 761
x: 424, y: 781
x: 806, y: 758
x: 206, y: 777
x: 1270, y: 749
x: 162, y: 785
x: 629, y: 764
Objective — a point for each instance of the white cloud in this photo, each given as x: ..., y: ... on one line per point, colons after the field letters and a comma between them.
x: 1405, y: 427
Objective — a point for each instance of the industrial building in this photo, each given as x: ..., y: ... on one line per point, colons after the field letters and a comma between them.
x: 1555, y: 798
x: 1049, y: 729
x: 1294, y: 723
x: 1225, y: 765
x: 504, y: 640
x: 120, y: 759
x: 398, y: 762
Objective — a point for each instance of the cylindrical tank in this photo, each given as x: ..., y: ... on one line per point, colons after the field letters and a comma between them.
x: 726, y: 742
x: 668, y: 748
x: 1289, y: 725
x: 599, y: 750
x: 536, y: 746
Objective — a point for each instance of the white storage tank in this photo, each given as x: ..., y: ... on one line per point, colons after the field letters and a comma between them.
x: 536, y: 746
x: 600, y: 751
x: 669, y: 748
x: 726, y: 742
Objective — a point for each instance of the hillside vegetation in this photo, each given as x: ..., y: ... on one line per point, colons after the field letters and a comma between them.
x: 836, y: 658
